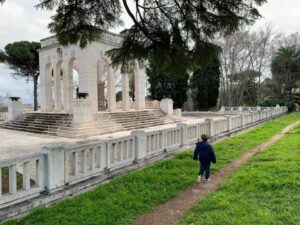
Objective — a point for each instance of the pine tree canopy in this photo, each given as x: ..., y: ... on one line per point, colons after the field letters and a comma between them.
x: 175, y: 34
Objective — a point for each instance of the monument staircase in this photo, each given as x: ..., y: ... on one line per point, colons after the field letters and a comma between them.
x: 60, y: 124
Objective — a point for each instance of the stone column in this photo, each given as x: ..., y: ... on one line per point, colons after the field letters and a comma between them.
x: 46, y: 87
x: 111, y: 89
x: 140, y: 86
x: 68, y: 87
x: 125, y: 92
x: 57, y: 89
x: 101, y: 96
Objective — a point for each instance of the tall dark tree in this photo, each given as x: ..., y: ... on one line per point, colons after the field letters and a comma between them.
x: 176, y: 34
x: 205, y: 84
x: 23, y: 58
x: 286, y: 67
x: 164, y: 85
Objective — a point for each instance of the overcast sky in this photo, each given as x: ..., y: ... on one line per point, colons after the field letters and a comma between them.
x: 19, y: 20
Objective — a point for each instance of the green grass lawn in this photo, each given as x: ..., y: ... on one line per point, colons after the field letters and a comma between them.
x: 128, y: 196
x: 265, y: 191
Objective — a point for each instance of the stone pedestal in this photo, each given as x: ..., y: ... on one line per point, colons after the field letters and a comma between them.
x: 82, y: 111
x: 166, y: 105
x: 15, y: 109
x: 178, y: 114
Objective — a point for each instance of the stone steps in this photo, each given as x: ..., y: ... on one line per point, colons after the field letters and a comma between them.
x: 90, y: 133
x: 104, y: 123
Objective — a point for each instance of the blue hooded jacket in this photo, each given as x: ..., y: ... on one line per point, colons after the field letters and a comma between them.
x: 204, y: 151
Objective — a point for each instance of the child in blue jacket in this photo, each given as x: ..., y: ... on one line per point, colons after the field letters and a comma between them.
x: 205, y: 152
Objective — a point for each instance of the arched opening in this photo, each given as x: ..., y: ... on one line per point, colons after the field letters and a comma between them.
x: 74, y: 77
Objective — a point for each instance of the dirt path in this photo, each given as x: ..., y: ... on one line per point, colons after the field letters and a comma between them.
x: 173, y: 210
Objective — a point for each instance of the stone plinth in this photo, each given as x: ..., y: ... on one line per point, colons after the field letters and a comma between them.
x: 140, y: 144
x: 166, y: 105
x: 82, y: 111
x: 15, y: 109
x: 178, y: 113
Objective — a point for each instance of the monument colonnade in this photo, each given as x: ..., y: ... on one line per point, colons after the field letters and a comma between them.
x: 95, y: 73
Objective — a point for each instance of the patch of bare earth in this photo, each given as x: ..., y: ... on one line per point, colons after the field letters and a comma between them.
x: 173, y: 210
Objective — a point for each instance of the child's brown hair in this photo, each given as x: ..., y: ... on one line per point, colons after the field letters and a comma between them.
x: 204, y: 137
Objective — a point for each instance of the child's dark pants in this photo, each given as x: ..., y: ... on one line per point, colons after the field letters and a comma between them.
x: 204, y: 167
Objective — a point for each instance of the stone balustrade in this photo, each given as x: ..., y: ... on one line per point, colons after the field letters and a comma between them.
x: 241, y: 109
x: 78, y: 157
x: 3, y: 115
x: 155, y: 142
x: 236, y: 122
x: 21, y: 187
x: 59, y: 166
x: 119, y: 105
x: 148, y: 104
x: 153, y: 104
x: 220, y: 126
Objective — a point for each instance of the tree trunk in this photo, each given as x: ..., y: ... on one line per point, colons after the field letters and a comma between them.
x: 35, y: 94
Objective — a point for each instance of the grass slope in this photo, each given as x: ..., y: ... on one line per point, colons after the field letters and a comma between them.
x: 126, y: 197
x: 265, y: 191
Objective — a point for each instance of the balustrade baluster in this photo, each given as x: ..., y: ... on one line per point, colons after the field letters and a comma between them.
x: 13, y: 179
x: 26, y: 176
x: 92, y: 158
x: 75, y: 163
x: 83, y: 161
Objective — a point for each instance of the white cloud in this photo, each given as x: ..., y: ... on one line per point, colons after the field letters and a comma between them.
x: 284, y: 15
